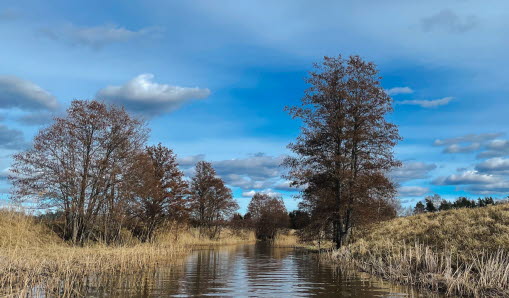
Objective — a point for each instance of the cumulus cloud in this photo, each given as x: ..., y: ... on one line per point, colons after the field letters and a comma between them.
x: 499, y: 187
x: 456, y: 148
x: 469, y: 138
x: 399, y: 90
x: 25, y: 95
x: 426, y: 103
x: 466, y: 143
x: 467, y: 177
x: 11, y: 139
x: 190, y: 161
x: 450, y: 21
x: 270, y: 192
x: 96, y: 36
x: 412, y: 191
x: 144, y: 96
x: 495, y: 148
x: 255, y: 172
x: 257, y: 167
x: 411, y: 171
x: 494, y: 165
x: 284, y: 185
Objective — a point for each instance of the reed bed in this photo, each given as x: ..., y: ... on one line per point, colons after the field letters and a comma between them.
x: 459, y: 252
x: 287, y: 239
x: 192, y: 237
x: 34, y: 261
x: 60, y: 270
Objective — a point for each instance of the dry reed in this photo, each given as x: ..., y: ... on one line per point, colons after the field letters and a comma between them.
x: 459, y: 252
x: 35, y: 262
x: 288, y: 239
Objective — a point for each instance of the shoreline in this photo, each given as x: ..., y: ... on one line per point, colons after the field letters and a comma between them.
x: 431, y: 252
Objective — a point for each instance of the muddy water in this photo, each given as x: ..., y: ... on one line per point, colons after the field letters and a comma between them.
x: 247, y: 270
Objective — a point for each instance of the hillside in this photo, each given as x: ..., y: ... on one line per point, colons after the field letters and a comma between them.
x: 461, y: 230
x: 458, y: 252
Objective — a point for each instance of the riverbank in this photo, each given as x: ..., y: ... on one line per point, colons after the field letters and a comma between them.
x: 34, y: 261
x: 457, y: 252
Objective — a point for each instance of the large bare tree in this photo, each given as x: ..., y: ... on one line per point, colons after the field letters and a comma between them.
x: 345, y: 148
x: 211, y: 201
x: 79, y: 165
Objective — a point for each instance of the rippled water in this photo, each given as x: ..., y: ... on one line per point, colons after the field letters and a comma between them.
x: 247, y: 270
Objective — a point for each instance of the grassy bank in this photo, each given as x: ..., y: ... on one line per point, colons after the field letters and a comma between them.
x: 458, y: 252
x: 34, y: 261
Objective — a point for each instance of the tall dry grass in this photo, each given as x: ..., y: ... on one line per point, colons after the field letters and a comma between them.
x: 34, y: 261
x: 286, y: 239
x: 191, y: 237
x: 458, y: 252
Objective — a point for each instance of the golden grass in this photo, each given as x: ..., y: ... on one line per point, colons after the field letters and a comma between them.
x: 459, y: 252
x: 18, y: 230
x: 191, y: 237
x: 288, y: 239
x: 35, y: 262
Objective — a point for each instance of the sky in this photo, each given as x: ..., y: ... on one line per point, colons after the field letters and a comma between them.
x: 213, y: 78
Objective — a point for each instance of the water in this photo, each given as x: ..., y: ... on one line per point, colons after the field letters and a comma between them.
x: 247, y: 270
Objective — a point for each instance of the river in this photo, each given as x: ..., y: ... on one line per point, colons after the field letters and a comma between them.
x: 247, y: 270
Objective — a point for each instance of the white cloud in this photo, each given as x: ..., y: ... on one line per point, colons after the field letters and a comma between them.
x: 257, y: 171
x: 25, y: 95
x: 412, y: 191
x: 494, y: 165
x: 411, y: 171
x: 142, y: 95
x: 270, y: 192
x: 456, y: 148
x: 467, y: 177
x: 472, y: 142
x: 258, y: 166
x: 399, y: 90
x: 427, y: 103
x: 469, y: 138
x: 190, y: 161
x: 499, y: 187
x: 495, y: 148
x: 96, y: 36
x: 248, y: 194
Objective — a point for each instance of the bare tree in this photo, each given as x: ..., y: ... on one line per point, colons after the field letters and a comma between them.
x: 79, y: 165
x: 346, y: 145
x: 211, y: 201
x: 160, y: 192
x: 268, y: 214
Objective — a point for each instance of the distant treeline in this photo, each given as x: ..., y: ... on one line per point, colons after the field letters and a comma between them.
x: 436, y: 203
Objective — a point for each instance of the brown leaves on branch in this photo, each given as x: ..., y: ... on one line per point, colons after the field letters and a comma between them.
x: 79, y: 165
x: 268, y: 215
x: 211, y: 202
x: 345, y: 148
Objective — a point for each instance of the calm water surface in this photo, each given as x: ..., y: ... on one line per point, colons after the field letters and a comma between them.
x: 247, y: 270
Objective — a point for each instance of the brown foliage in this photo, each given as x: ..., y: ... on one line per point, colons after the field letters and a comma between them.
x: 79, y: 165
x: 268, y: 215
x: 345, y: 147
x: 211, y: 202
x: 159, y: 191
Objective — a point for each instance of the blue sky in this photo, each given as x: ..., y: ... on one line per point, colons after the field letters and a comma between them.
x: 213, y: 78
